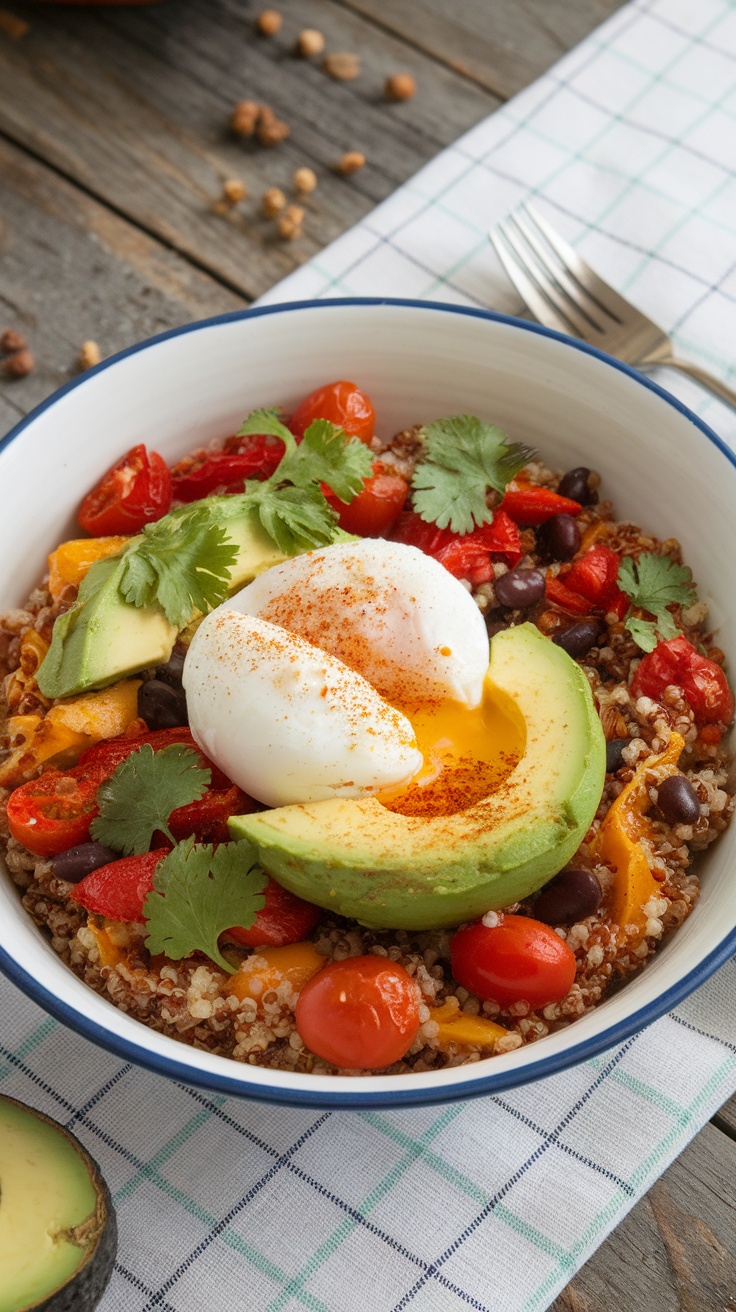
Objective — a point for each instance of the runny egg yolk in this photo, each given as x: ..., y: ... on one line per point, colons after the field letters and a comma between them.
x: 468, y: 753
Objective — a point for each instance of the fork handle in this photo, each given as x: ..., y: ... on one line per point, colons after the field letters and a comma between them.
x: 701, y: 376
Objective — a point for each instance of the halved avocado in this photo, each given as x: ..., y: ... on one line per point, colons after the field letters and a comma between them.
x: 396, y: 871
x: 58, y: 1233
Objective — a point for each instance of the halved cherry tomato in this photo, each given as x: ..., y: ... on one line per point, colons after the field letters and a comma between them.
x: 207, y: 819
x: 530, y: 506
x: 594, y: 575
x: 342, y: 403
x: 375, y: 510
x: 359, y: 1013
x: 518, y: 960
x: 466, y: 555
x: 52, y: 813
x: 701, y: 682
x: 119, y: 889
x: 255, y: 456
x: 136, y: 491
x: 285, y: 918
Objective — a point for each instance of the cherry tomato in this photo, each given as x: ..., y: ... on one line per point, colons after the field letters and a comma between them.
x: 136, y: 491
x: 119, y: 889
x: 375, y: 510
x: 52, y: 813
x: 226, y: 470
x: 359, y: 1013
x: 466, y: 555
x: 342, y: 403
x: 518, y: 960
x: 594, y: 575
x: 284, y: 919
x: 701, y: 682
x: 530, y: 506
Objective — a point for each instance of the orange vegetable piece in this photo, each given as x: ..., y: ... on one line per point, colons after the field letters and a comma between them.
x: 457, y: 1026
x: 67, y: 729
x: 70, y: 562
x: 269, y: 967
x: 618, y: 841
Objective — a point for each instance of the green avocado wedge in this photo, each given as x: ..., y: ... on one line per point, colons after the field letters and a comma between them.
x: 388, y: 870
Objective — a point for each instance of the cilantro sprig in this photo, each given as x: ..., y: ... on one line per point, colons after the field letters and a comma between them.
x: 464, y: 458
x: 182, y: 562
x: 654, y: 583
x: 199, y: 892
x: 138, y: 798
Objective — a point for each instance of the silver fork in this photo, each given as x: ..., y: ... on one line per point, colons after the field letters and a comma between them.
x: 564, y: 293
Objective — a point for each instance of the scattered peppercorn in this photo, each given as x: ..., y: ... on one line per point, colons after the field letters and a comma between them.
x: 233, y: 191
x: 310, y: 42
x: 244, y: 117
x: 343, y: 67
x: 20, y: 363
x: 89, y: 355
x: 269, y: 22
x: 305, y: 181
x: 273, y: 202
x: 289, y: 224
x: 270, y: 130
x: 400, y: 86
x: 351, y: 161
x: 11, y: 341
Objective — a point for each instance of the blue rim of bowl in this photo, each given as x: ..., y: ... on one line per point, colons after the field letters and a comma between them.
x: 486, y: 1084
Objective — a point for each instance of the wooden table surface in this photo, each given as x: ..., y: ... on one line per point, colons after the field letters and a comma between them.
x: 114, y: 144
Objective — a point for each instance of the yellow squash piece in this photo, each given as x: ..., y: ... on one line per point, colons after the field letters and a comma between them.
x: 269, y: 967
x: 67, y: 729
x: 618, y: 843
x: 456, y: 1026
x: 70, y: 562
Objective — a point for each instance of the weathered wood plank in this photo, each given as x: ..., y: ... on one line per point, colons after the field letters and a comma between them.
x: 503, y: 46
x: 134, y: 105
x: 725, y: 1119
x: 72, y: 270
x: 676, y: 1250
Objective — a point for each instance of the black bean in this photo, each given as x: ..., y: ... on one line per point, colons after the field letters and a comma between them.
x: 678, y: 800
x: 559, y: 538
x: 172, y: 671
x: 520, y: 588
x: 578, y: 638
x: 81, y: 860
x: 570, y: 896
x: 614, y: 754
x: 161, y: 706
x: 574, y: 484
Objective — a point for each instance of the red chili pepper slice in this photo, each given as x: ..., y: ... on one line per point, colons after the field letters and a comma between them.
x: 374, y: 511
x: 136, y: 491
x: 285, y: 918
x: 466, y: 555
x: 119, y: 889
x: 530, y: 506
x: 702, y: 683
x: 52, y: 813
x: 255, y: 456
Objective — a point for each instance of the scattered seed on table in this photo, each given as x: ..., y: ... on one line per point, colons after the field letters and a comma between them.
x: 11, y: 340
x: 310, y: 42
x: 244, y: 117
x: 269, y: 22
x: 342, y: 66
x: 351, y: 161
x: 289, y: 223
x: 89, y: 355
x: 273, y: 202
x: 20, y: 363
x: 233, y: 191
x: 400, y: 86
x: 305, y: 181
x: 270, y: 130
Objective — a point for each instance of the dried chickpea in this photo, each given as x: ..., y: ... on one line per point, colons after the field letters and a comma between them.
x: 20, y: 363
x: 342, y: 66
x: 289, y: 223
x: 270, y: 130
x: 305, y: 181
x: 11, y: 341
x: 351, y: 161
x: 400, y: 86
x: 273, y: 202
x: 244, y: 117
x: 310, y: 42
x: 269, y: 22
x: 233, y: 191
x: 89, y: 355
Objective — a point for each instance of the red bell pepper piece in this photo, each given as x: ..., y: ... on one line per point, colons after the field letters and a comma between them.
x: 104, y: 758
x: 207, y: 818
x: 119, y: 889
x: 563, y: 597
x: 531, y: 506
x: 285, y: 918
x: 594, y: 578
x: 255, y: 456
x: 466, y: 555
x: 701, y: 682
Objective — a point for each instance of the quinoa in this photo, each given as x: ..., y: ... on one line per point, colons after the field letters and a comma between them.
x: 191, y: 1000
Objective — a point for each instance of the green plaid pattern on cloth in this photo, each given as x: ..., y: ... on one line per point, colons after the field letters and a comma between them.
x: 627, y: 146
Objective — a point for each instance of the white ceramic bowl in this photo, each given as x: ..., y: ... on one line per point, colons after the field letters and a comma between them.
x: 663, y: 468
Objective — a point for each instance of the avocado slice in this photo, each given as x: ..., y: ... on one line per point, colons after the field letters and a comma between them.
x: 102, y: 637
x: 58, y: 1233
x: 388, y: 870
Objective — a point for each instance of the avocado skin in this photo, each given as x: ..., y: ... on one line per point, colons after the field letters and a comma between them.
x: 387, y: 871
x: 85, y: 1289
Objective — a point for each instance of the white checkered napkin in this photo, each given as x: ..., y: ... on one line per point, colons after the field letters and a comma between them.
x: 492, y: 1205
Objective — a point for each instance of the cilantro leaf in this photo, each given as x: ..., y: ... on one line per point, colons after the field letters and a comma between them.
x: 200, y: 891
x: 266, y: 420
x: 137, y: 800
x: 182, y: 562
x: 298, y: 519
x: 464, y: 458
x: 327, y: 455
x: 653, y: 583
